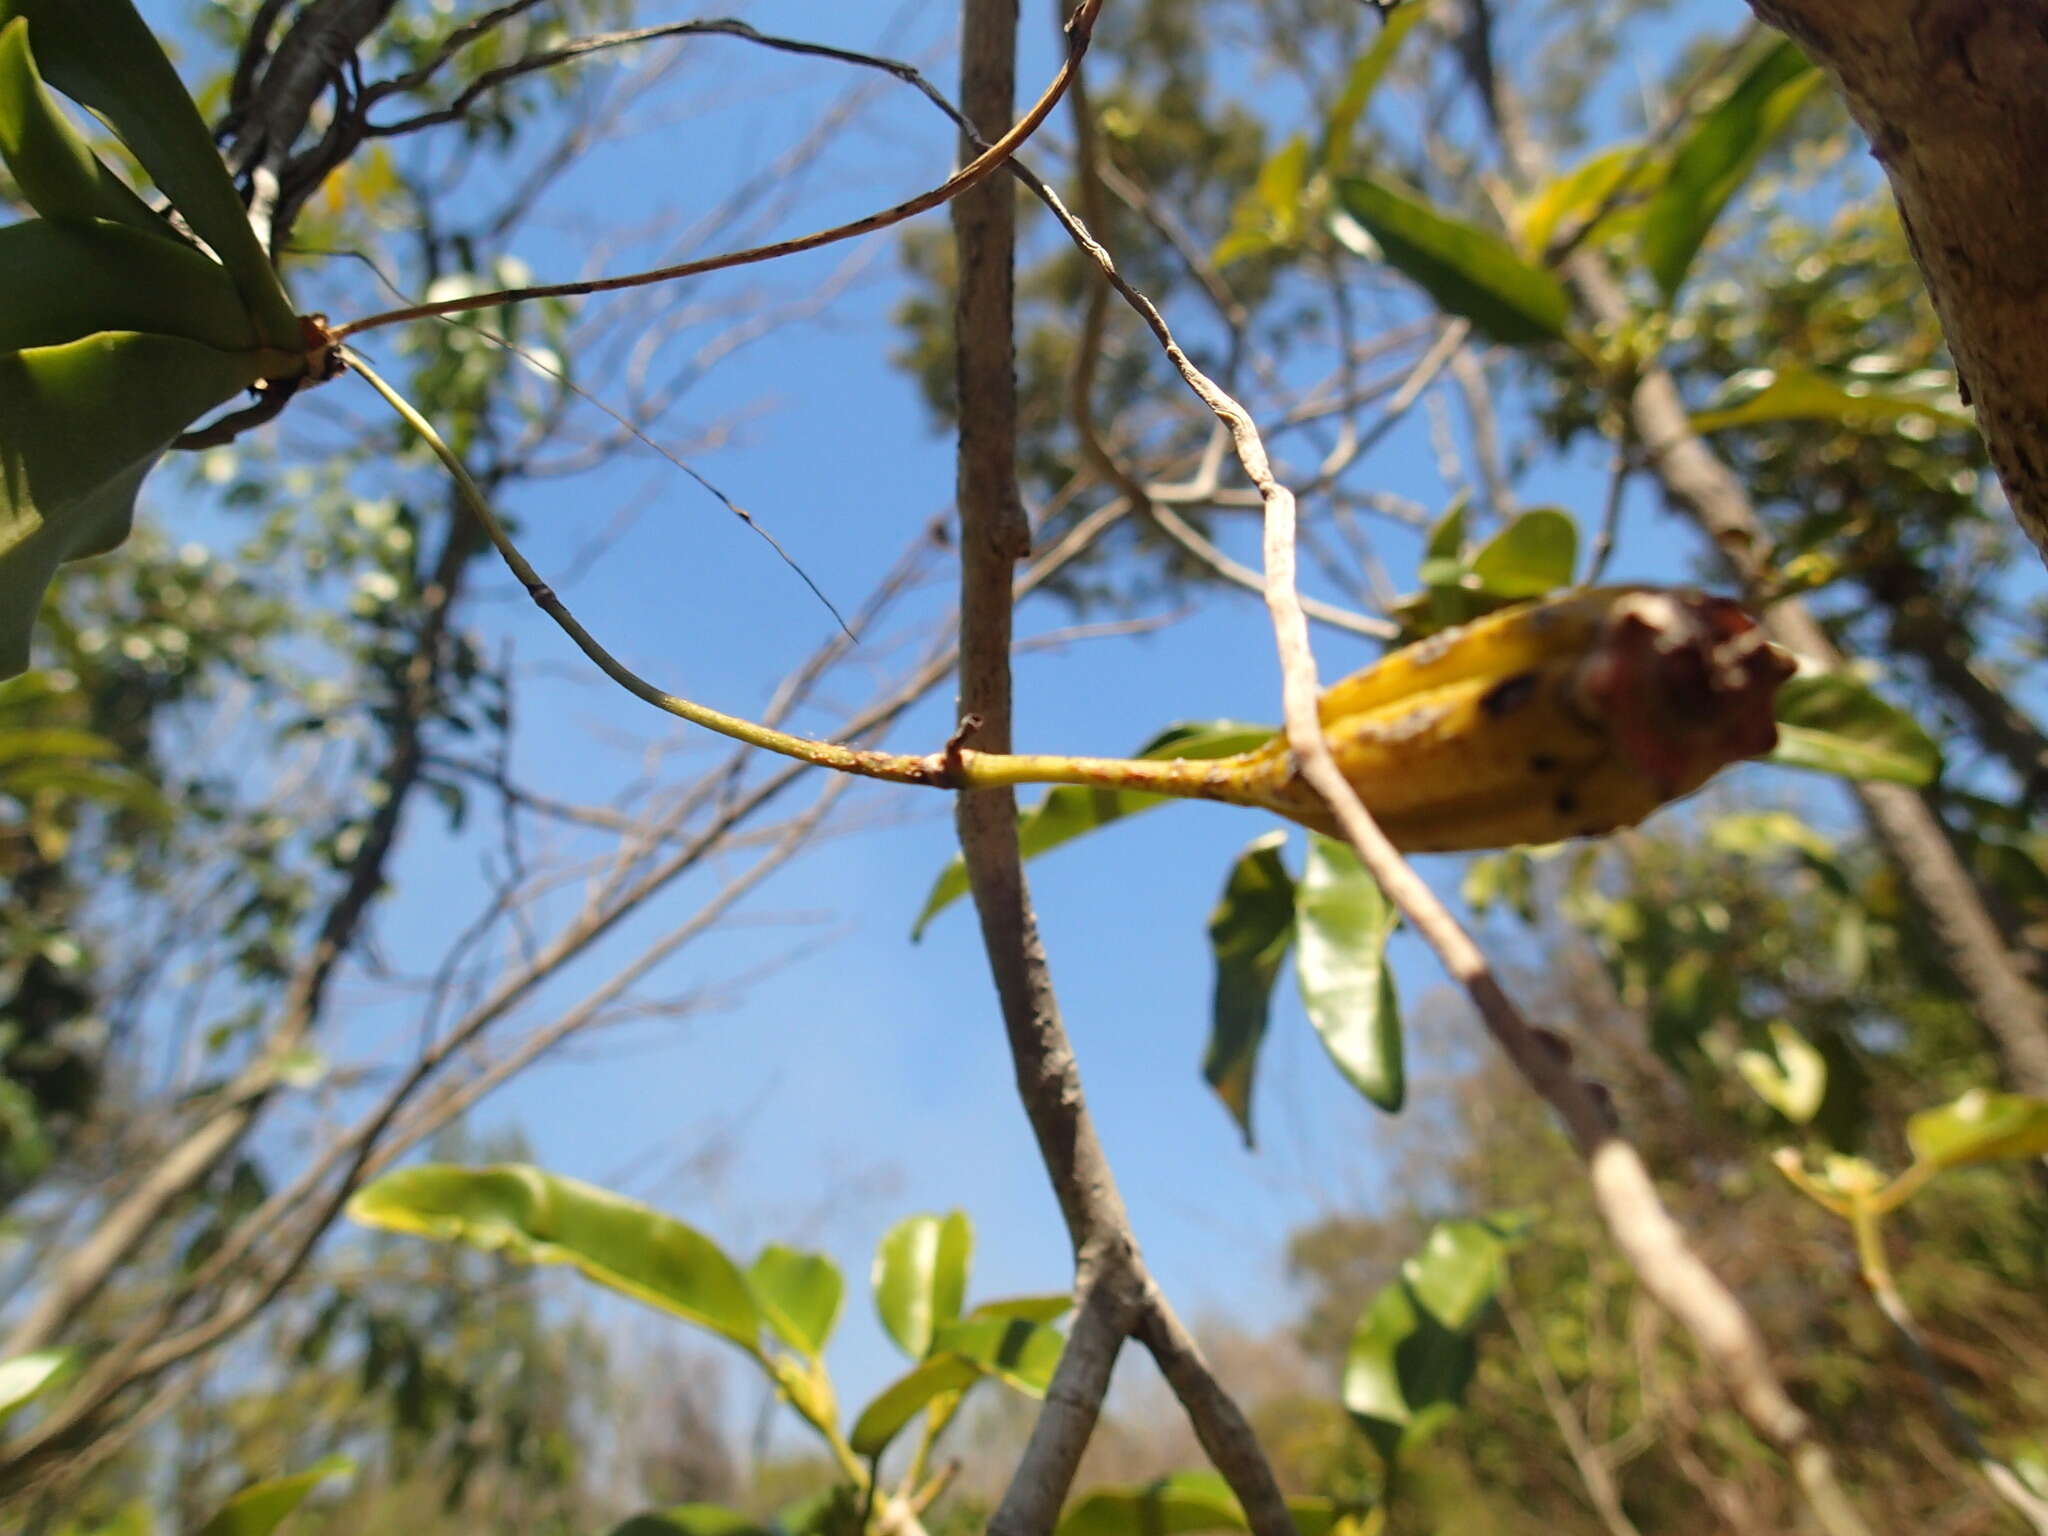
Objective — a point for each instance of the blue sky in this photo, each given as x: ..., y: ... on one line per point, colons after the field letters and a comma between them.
x: 869, y: 1079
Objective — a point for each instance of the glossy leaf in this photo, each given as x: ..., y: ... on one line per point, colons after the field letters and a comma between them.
x: 906, y: 1397
x: 692, y: 1520
x: 25, y: 1377
x: 59, y: 176
x: 920, y: 1278
x: 1791, y: 1077
x: 1469, y: 271
x: 1182, y: 1501
x: 1794, y: 394
x: 80, y: 425
x: 1343, y: 923
x: 1717, y: 157
x: 1367, y: 71
x: 262, y: 1507
x: 66, y: 281
x: 543, y: 1218
x: 1072, y: 810
x: 798, y: 1295
x: 1979, y: 1127
x: 1533, y: 555
x: 1831, y: 723
x: 102, y: 55
x: 1248, y: 937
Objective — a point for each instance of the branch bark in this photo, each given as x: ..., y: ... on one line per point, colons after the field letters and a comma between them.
x: 1950, y: 95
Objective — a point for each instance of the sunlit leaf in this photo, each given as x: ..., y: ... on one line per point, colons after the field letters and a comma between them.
x: 1404, y: 1373
x: 920, y: 1278
x: 692, y: 1520
x: 24, y: 1377
x: 1367, y: 70
x: 798, y: 1295
x: 1717, y: 156
x: 1794, y: 394
x: 1533, y: 555
x: 1832, y: 723
x: 262, y: 1507
x: 1182, y: 1501
x: 1979, y: 1127
x: 1559, y: 206
x: 1455, y: 1273
x: 1343, y: 923
x: 543, y: 1218
x: 1071, y: 810
x: 1469, y: 271
x: 906, y: 1397
x: 1248, y: 936
x: 1016, y: 1350
x: 1791, y: 1077
x: 1033, y: 1309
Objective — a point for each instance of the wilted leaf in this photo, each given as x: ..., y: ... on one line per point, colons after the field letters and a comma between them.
x: 1248, y: 935
x: 542, y: 1218
x: 1718, y: 156
x: 920, y: 1278
x: 1467, y: 270
x: 798, y: 1295
x: 1072, y: 809
x: 1831, y: 723
x: 1343, y: 923
x: 1979, y: 1127
x: 261, y: 1508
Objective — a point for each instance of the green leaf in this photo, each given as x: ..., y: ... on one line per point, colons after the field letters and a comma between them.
x: 59, y: 176
x: 1405, y: 1373
x: 67, y: 281
x: 1367, y: 70
x: 261, y: 1508
x: 1979, y: 1127
x: 920, y: 1278
x: 1717, y: 157
x: 1072, y: 810
x: 24, y: 1377
x: 1763, y: 834
x: 1796, y: 394
x: 1573, y: 197
x: 102, y: 55
x: 1343, y: 922
x: 1182, y: 1501
x: 1791, y: 1077
x: 1456, y: 1272
x: 905, y: 1398
x: 1467, y: 270
x: 52, y: 741
x: 1020, y: 1353
x: 692, y: 1520
x: 798, y: 1295
x: 1831, y: 723
x: 80, y: 425
x: 1248, y: 935
x: 1530, y: 557
x: 1033, y: 1309
x: 542, y: 1218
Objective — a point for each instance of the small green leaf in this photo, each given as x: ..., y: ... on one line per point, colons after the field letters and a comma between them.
x: 1248, y: 935
x: 1979, y: 1127
x: 261, y: 1508
x: 904, y: 1398
x: 692, y: 1520
x: 1795, y: 394
x: 1072, y: 810
x: 1763, y: 834
x: 1532, y: 556
x: 798, y: 1295
x: 24, y: 1377
x: 920, y: 1278
x: 1183, y: 1501
x: 1791, y: 1077
x: 1447, y: 535
x: 543, y: 1218
x: 1570, y: 199
x: 1405, y: 1373
x: 1456, y: 1272
x: 1718, y: 156
x: 1343, y: 922
x: 1367, y: 70
x: 1015, y: 1350
x: 1831, y: 723
x: 58, y: 175
x: 1033, y: 1309
x: 102, y: 55
x: 1469, y: 271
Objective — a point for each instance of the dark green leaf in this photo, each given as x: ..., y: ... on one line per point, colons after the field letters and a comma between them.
x: 1831, y: 723
x: 1469, y: 271
x: 920, y: 1278
x: 542, y: 1218
x: 67, y: 281
x: 1071, y: 810
x: 261, y: 1508
x: 1979, y: 1127
x: 1343, y: 922
x: 798, y: 1295
x: 1404, y: 1373
x: 1532, y: 556
x: 1248, y: 935
x: 1717, y: 157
